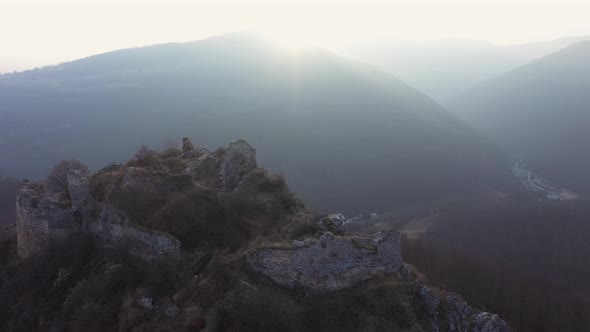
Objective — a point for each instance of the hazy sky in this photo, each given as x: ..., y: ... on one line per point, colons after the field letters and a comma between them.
x: 40, y: 32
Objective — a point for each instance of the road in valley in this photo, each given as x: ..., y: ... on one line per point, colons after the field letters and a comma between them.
x: 539, y: 185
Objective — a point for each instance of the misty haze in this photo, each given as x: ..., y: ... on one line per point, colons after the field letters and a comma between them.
x: 294, y: 166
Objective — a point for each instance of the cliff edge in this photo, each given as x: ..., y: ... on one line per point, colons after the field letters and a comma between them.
x: 233, y: 248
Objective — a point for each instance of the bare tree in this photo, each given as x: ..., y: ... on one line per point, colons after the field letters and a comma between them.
x: 57, y: 181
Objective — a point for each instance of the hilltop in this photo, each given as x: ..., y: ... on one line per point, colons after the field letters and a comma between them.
x: 192, y: 239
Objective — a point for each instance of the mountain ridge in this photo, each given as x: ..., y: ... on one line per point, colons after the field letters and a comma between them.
x: 537, y: 112
x: 432, y: 66
x: 369, y: 131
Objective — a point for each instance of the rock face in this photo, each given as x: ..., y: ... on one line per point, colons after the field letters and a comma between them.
x: 189, y: 150
x: 41, y: 217
x: 452, y: 313
x: 332, y: 262
x: 320, y: 261
x: 187, y: 145
x: 462, y: 317
x: 77, y: 188
x: 239, y: 159
x: 112, y: 227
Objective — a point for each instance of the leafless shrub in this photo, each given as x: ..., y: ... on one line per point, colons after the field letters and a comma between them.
x: 145, y: 157
x: 57, y: 181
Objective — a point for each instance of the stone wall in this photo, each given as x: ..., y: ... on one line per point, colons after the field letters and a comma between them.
x: 41, y: 217
x: 450, y: 312
x: 112, y: 228
x: 332, y: 262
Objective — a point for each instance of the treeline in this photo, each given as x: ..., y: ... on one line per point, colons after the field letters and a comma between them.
x: 7, y: 200
x: 525, y: 260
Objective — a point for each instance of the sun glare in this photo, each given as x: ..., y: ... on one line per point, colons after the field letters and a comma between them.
x: 292, y: 41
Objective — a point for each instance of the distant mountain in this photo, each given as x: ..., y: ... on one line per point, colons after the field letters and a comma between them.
x: 444, y: 68
x: 347, y: 136
x: 539, y: 112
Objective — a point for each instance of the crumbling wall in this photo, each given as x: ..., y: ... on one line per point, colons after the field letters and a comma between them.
x: 112, y: 228
x: 332, y: 262
x: 41, y: 217
x: 44, y: 216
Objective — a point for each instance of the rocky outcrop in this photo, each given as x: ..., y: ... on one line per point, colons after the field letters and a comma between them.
x: 135, y: 178
x: 223, y: 169
x: 187, y: 145
x: 321, y: 259
x: 40, y: 217
x: 462, y: 317
x: 331, y: 262
x: 239, y: 159
x: 204, y: 165
x: 113, y: 228
x: 190, y: 151
x: 450, y: 312
x: 77, y: 188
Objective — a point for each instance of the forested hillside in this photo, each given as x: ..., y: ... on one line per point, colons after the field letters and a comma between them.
x: 525, y: 259
x: 539, y: 113
x: 346, y: 136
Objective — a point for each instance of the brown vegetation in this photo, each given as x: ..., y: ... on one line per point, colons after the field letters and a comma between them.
x: 57, y: 180
x: 144, y: 157
x: 525, y: 260
x: 75, y: 285
x: 198, y: 214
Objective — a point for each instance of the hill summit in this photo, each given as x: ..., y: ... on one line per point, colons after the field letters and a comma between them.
x: 192, y: 239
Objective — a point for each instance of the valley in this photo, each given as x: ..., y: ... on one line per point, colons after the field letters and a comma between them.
x: 538, y: 185
x: 413, y: 166
x: 347, y: 136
